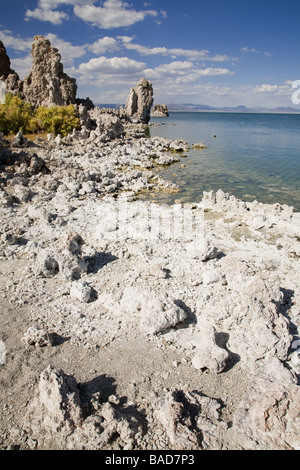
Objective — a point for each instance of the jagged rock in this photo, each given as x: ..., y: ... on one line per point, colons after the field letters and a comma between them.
x: 203, y: 250
x: 97, y: 431
x: 247, y: 307
x: 35, y: 336
x: 13, y: 84
x: 209, y: 355
x: 157, y: 313
x: 160, y: 110
x: 268, y: 416
x: 81, y: 291
x: 74, y: 243
x: 199, y: 145
x: 191, y: 420
x: 20, y: 141
x: 71, y: 266
x: 108, y: 126
x: 139, y: 102
x: 46, y: 264
x: 55, y: 411
x: 56, y: 417
x: 87, y: 103
x: 5, y: 69
x: 47, y: 84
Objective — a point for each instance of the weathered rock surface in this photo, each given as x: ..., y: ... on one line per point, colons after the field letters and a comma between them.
x: 192, y: 421
x: 160, y: 110
x: 189, y: 312
x: 139, y: 102
x: 57, y: 417
x: 209, y: 355
x: 5, y: 69
x: 11, y: 79
x: 268, y: 418
x: 47, y: 84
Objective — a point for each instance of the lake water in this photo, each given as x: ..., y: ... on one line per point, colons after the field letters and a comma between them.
x: 251, y: 156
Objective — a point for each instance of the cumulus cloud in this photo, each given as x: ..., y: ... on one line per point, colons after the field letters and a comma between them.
x: 103, y: 45
x: 274, y: 89
x: 266, y: 88
x: 192, y: 54
x: 113, y: 65
x: 66, y: 49
x: 22, y: 65
x: 14, y: 41
x: 113, y: 14
x: 183, y: 72
x: 54, y: 17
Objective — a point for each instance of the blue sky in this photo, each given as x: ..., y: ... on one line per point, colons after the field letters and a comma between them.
x: 215, y: 52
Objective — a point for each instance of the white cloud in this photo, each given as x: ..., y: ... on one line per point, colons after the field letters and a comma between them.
x: 266, y: 88
x: 114, y: 65
x: 255, y: 51
x: 192, y: 54
x: 276, y: 90
x: 103, y: 45
x: 15, y: 42
x: 54, y: 17
x: 274, y: 95
x: 22, y: 65
x: 113, y: 14
x: 183, y: 72
x: 66, y: 49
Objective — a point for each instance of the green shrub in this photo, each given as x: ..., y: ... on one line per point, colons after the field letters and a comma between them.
x: 16, y: 115
x: 57, y: 120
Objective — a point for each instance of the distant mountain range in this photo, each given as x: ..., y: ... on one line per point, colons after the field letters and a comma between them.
x: 235, y: 109
x: 205, y: 108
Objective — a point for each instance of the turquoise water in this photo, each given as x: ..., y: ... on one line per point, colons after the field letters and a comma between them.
x: 253, y: 156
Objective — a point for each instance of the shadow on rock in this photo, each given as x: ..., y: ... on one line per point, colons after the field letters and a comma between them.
x: 221, y: 341
x: 98, y: 261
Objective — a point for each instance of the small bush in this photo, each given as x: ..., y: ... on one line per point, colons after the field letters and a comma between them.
x: 16, y: 115
x: 57, y: 120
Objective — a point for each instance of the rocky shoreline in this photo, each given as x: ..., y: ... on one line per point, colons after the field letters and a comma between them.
x: 129, y: 325
x: 132, y: 325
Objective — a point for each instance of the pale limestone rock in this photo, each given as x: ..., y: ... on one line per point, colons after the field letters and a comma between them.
x: 97, y: 430
x: 20, y: 141
x: 46, y: 264
x: 140, y: 101
x: 55, y: 411
x: 160, y: 110
x: 55, y: 417
x: 191, y: 420
x: 156, y: 312
x: 199, y: 145
x: 209, y: 355
x: 268, y: 418
x: 47, y: 84
x: 81, y: 291
x: 35, y: 336
x: 71, y: 266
